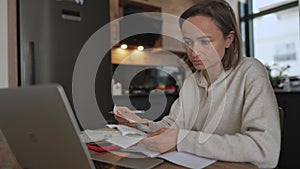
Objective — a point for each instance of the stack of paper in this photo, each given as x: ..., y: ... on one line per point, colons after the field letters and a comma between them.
x: 87, y: 136
x: 187, y: 159
x: 179, y: 158
x: 125, y: 130
x: 129, y: 136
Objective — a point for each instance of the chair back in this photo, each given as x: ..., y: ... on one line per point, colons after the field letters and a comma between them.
x: 281, y: 118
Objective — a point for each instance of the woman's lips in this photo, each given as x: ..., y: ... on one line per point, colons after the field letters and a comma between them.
x: 197, y: 62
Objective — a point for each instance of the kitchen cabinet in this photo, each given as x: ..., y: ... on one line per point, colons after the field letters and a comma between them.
x: 117, y: 10
x: 173, y: 7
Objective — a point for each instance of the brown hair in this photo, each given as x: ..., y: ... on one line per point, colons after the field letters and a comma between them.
x: 221, y: 12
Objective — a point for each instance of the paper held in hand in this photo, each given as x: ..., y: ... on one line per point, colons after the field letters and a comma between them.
x: 130, y: 115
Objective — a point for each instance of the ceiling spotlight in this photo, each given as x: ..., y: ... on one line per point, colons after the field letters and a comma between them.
x: 124, y: 46
x: 140, y: 48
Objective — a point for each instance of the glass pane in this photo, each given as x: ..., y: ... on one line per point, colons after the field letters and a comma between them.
x: 260, y: 5
x: 276, y: 40
x: 243, y: 36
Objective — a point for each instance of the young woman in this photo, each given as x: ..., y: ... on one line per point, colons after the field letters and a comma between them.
x: 227, y: 109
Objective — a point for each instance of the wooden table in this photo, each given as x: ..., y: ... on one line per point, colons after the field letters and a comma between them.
x: 8, y: 160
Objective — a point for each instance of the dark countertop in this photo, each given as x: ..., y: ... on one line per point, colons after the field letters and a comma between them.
x: 145, y: 95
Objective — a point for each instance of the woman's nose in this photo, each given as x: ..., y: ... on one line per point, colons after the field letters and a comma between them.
x: 197, y: 48
x: 193, y: 53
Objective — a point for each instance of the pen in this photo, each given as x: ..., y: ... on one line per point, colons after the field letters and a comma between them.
x: 137, y: 111
x: 115, y: 110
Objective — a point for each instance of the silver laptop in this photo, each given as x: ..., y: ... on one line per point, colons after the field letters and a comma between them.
x: 39, y: 125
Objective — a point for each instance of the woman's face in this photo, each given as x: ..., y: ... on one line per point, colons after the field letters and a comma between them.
x: 204, y: 42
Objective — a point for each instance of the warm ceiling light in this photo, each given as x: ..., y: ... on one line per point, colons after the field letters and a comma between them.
x: 124, y: 46
x: 140, y: 48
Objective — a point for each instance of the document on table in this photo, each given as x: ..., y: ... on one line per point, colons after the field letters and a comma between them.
x: 125, y: 141
x: 87, y: 136
x: 187, y: 159
x: 179, y: 158
x: 142, y: 149
x: 125, y: 130
x: 129, y: 136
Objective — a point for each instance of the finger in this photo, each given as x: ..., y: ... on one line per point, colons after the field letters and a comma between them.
x: 150, y: 140
x: 146, y: 141
x: 125, y: 122
x: 118, y: 115
x: 131, y: 125
x: 120, y: 119
x: 154, y: 134
x: 128, y: 124
x: 123, y: 109
x: 163, y: 129
x: 136, y: 144
x: 152, y: 148
x: 153, y: 143
x: 122, y: 114
x: 150, y: 145
x: 158, y: 132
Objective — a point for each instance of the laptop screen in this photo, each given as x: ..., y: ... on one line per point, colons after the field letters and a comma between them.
x: 40, y: 127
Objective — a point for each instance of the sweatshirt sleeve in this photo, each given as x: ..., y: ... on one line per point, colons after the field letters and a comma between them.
x: 258, y: 141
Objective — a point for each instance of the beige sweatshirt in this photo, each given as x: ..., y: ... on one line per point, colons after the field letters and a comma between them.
x: 235, y: 119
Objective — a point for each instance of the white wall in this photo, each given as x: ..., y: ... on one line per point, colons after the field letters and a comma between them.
x: 3, y: 44
x: 234, y: 5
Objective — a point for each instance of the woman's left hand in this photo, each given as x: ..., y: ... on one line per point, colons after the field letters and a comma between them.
x: 162, y: 140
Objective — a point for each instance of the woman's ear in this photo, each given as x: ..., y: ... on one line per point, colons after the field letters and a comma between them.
x: 229, y: 39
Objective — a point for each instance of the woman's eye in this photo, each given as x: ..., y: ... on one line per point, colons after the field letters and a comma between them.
x: 188, y: 43
x: 205, y: 42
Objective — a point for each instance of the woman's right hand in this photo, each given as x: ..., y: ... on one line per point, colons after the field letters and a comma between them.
x: 122, y: 121
x: 125, y: 113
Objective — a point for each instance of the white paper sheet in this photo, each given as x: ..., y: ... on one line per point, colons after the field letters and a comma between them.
x: 125, y: 141
x: 179, y: 158
x: 95, y: 135
x: 115, y: 110
x: 125, y: 130
x: 132, y: 119
x: 187, y: 159
x: 142, y: 149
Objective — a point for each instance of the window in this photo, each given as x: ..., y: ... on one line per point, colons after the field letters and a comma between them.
x: 270, y: 32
